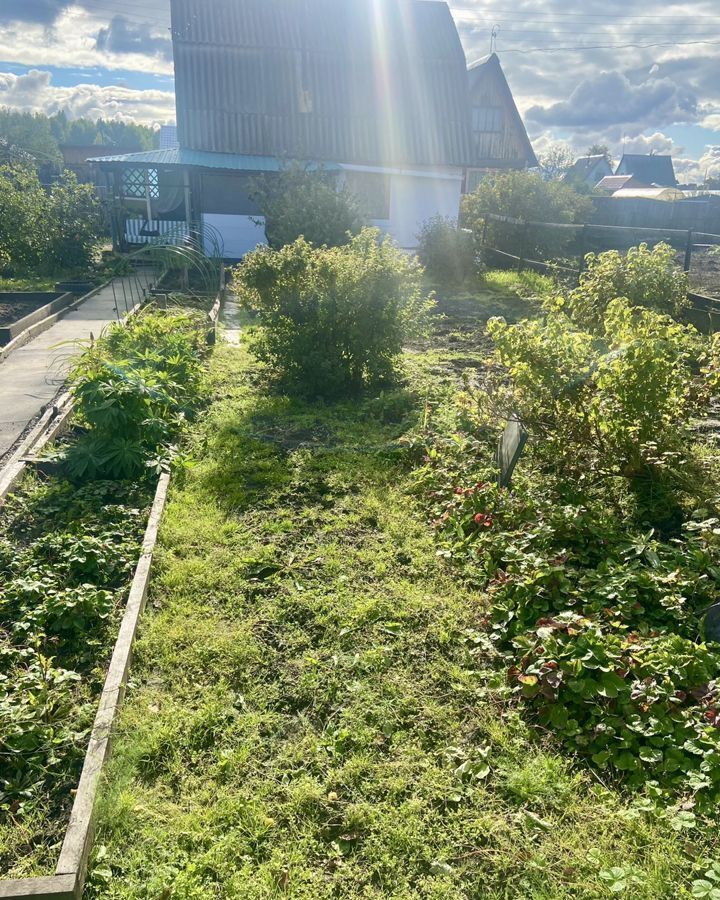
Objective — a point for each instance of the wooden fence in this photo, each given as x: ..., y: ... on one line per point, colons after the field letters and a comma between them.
x: 561, y: 249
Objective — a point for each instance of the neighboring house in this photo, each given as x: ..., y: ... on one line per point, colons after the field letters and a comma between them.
x: 499, y: 138
x: 76, y: 158
x: 375, y: 92
x: 649, y: 169
x: 168, y: 137
x: 611, y: 183
x: 589, y: 169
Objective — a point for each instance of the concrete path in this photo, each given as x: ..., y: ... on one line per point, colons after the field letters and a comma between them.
x: 32, y: 376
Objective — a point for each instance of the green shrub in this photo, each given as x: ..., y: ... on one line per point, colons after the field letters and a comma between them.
x: 74, y: 219
x: 523, y: 195
x: 597, y: 621
x: 133, y: 390
x: 447, y: 252
x: 44, y: 231
x: 597, y: 408
x: 333, y: 319
x: 645, y: 277
x: 299, y: 203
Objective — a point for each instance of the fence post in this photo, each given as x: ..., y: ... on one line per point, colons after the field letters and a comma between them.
x: 688, y: 251
x: 523, y: 247
x: 583, y: 251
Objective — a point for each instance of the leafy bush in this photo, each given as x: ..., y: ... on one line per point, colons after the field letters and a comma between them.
x: 447, y: 252
x: 44, y: 231
x: 74, y: 222
x: 133, y: 390
x: 645, y: 277
x: 647, y: 706
x: 525, y: 196
x: 300, y: 203
x: 620, y: 406
x: 597, y: 620
x: 333, y: 319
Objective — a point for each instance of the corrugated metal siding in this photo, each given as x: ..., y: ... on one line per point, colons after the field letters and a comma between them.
x: 388, y: 91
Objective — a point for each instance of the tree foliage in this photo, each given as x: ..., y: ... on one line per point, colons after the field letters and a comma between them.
x: 300, y: 203
x: 44, y: 231
x: 645, y: 277
x: 525, y: 196
x: 41, y: 136
x: 556, y: 161
x: 447, y: 252
x: 333, y: 319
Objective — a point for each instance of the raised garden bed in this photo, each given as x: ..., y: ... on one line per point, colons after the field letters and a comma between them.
x: 21, y: 310
x: 69, y: 545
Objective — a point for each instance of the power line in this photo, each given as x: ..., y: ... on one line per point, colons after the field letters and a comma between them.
x: 495, y: 11
x: 607, y: 47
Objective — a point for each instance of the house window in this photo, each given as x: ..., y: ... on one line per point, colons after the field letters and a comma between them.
x: 373, y: 192
x: 486, y: 119
x: 141, y: 183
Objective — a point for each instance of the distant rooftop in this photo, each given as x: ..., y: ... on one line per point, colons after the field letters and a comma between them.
x: 585, y: 165
x: 614, y: 183
x: 648, y: 168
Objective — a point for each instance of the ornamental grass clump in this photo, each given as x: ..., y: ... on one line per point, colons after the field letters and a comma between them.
x: 333, y: 319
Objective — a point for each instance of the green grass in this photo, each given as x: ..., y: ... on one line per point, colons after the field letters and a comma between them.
x: 525, y: 283
x: 31, y: 283
x: 315, y: 710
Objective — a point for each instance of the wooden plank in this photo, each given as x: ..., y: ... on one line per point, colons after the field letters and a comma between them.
x: 79, y: 836
x: 63, y: 887
x: 52, y: 422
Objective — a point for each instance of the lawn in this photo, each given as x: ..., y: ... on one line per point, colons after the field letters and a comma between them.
x: 31, y: 283
x: 316, y: 710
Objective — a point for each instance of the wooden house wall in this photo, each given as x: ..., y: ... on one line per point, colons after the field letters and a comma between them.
x: 503, y: 149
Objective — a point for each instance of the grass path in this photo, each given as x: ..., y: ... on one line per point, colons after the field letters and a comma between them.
x: 313, y: 711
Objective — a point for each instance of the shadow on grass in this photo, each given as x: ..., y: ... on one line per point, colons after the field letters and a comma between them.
x: 279, y: 447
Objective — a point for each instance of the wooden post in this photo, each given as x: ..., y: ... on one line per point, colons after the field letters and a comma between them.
x: 583, y: 251
x: 688, y: 251
x: 523, y: 247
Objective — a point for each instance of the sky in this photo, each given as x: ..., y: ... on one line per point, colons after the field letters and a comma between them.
x: 636, y: 76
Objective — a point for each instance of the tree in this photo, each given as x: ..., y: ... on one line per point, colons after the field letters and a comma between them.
x: 600, y: 150
x: 41, y: 231
x: 557, y: 160
x: 31, y: 133
x: 529, y: 197
x: 299, y: 203
x: 41, y: 136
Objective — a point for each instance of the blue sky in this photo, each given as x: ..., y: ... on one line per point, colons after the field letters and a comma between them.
x: 634, y: 76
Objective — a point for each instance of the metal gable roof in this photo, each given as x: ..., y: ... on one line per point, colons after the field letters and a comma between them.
x: 341, y: 80
x: 586, y: 164
x: 650, y: 169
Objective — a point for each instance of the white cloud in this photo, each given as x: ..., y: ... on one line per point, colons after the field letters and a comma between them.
x: 653, y: 143
x: 35, y: 92
x: 79, y: 38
